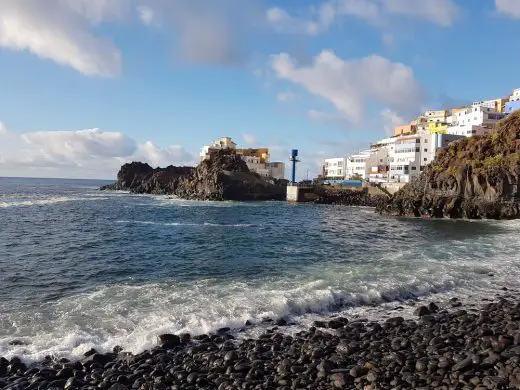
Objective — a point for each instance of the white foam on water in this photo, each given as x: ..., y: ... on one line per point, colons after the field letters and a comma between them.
x: 209, y: 224
x: 133, y: 315
x: 45, y: 201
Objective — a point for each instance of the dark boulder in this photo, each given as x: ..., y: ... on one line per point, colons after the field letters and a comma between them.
x: 169, y: 341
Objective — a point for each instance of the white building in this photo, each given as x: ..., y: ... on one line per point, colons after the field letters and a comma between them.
x: 259, y: 164
x: 476, y: 120
x: 355, y: 165
x: 334, y: 168
x: 405, y: 159
x: 220, y: 144
x: 378, y: 163
x: 515, y: 97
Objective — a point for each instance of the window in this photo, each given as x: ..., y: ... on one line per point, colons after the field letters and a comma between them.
x: 422, y: 168
x: 425, y: 141
x: 425, y: 159
x: 425, y: 150
x: 414, y: 168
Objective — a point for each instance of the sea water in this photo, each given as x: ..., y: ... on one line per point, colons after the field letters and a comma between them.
x: 82, y: 268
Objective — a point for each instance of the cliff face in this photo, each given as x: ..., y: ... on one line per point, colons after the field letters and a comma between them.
x: 224, y: 177
x: 227, y: 177
x: 474, y: 178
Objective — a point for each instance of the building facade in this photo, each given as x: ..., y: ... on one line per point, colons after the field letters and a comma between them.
x: 436, y: 115
x: 355, y: 165
x: 405, y: 130
x: 257, y: 160
x: 334, y: 168
x: 515, y: 97
x: 219, y: 144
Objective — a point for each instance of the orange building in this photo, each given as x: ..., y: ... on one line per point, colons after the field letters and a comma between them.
x: 405, y: 130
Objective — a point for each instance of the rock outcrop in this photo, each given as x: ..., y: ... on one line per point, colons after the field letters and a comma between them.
x: 227, y: 177
x: 346, y: 197
x: 475, y: 178
x: 224, y: 177
x: 141, y: 178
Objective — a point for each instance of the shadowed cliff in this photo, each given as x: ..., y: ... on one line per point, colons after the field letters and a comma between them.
x: 475, y: 178
x: 224, y: 177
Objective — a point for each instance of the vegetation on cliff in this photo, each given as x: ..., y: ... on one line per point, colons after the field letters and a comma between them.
x: 475, y: 177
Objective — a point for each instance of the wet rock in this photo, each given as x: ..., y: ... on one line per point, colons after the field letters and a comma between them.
x: 421, y: 311
x: 169, y: 341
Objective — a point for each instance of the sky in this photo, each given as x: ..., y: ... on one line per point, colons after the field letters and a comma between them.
x: 87, y: 85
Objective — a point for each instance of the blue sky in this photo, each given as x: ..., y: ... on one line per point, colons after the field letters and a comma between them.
x: 90, y: 84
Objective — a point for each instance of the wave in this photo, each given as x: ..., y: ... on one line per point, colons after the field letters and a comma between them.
x: 43, y: 202
x: 132, y: 316
x: 185, y: 224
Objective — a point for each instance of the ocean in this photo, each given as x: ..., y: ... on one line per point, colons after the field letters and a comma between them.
x: 81, y: 268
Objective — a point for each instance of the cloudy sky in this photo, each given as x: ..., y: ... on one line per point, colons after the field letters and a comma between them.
x: 87, y: 85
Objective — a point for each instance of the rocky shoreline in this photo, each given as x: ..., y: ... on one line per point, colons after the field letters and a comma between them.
x: 444, y: 347
x: 346, y: 197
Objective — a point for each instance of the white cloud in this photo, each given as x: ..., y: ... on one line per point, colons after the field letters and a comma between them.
x: 84, y: 154
x: 508, y: 7
x: 249, y: 139
x: 390, y: 120
x: 286, y: 96
x: 440, y: 12
x: 281, y: 21
x: 375, y: 12
x: 3, y: 129
x: 146, y: 14
x: 351, y: 84
x: 56, y: 31
x: 162, y: 157
x: 205, y: 32
x: 66, y: 31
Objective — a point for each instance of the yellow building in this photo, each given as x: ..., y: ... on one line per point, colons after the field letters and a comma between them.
x: 405, y: 130
x: 500, y: 104
x: 261, y: 153
x: 437, y: 128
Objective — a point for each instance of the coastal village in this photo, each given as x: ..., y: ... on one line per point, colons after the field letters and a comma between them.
x: 391, y: 162
x: 396, y: 160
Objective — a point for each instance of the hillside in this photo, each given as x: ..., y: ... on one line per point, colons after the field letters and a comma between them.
x: 475, y: 178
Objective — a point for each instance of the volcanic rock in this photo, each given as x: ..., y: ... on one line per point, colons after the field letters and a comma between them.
x: 474, y: 178
x: 223, y: 177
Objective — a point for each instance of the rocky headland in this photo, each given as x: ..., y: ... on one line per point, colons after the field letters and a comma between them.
x: 474, y: 178
x: 446, y: 346
x: 224, y: 177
